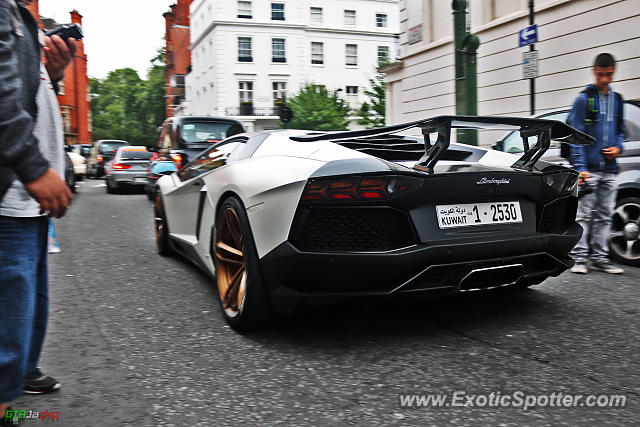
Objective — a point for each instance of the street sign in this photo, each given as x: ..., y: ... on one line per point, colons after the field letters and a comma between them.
x: 528, y: 36
x: 530, y: 64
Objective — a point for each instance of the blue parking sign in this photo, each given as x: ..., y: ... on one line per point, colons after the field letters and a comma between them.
x: 528, y: 36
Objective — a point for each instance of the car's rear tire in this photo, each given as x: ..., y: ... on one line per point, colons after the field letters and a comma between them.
x: 111, y: 189
x: 624, y: 239
x: 241, y: 292
x: 525, y: 284
x: 70, y: 178
x: 161, y: 227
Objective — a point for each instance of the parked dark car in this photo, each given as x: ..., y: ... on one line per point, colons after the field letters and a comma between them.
x: 102, y: 151
x: 157, y: 168
x: 69, y: 174
x: 624, y: 240
x: 83, y: 149
x: 127, y: 168
x: 183, y: 137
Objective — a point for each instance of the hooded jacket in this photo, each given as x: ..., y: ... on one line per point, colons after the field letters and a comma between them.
x: 604, y: 129
x: 19, y: 82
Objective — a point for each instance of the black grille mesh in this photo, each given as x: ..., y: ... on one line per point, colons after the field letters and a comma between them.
x: 558, y: 214
x: 354, y: 230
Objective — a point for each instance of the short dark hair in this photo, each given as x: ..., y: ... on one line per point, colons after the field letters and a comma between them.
x: 604, y: 60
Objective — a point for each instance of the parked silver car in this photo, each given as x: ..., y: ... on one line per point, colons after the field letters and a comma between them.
x: 127, y: 167
x: 624, y: 240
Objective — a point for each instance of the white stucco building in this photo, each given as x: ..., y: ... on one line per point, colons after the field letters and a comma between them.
x: 249, y: 55
x: 570, y: 33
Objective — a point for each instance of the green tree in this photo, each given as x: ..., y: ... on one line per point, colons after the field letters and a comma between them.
x: 316, y: 108
x: 372, y: 114
x: 123, y: 106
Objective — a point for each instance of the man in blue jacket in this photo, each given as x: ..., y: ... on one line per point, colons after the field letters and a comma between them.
x: 598, y: 111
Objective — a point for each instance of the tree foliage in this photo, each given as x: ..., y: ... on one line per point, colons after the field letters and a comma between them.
x: 316, y: 108
x: 123, y: 106
x: 372, y: 114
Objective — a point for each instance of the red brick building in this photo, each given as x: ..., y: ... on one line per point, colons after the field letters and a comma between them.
x: 73, y: 96
x: 177, y: 56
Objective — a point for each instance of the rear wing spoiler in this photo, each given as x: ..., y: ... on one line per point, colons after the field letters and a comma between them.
x: 545, y: 130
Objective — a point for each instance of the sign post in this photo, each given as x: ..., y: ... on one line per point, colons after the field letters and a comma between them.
x: 529, y: 37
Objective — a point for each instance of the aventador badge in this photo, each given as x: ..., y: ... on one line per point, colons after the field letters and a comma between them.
x: 495, y: 181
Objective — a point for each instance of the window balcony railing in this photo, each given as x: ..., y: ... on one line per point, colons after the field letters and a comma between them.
x: 249, y: 110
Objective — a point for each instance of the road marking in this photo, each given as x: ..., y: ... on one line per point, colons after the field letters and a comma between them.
x: 100, y: 185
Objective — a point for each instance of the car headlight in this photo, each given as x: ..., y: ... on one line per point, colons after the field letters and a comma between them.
x: 562, y: 182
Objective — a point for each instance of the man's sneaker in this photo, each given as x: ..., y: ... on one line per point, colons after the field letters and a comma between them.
x: 580, y: 268
x: 37, y: 383
x: 606, y: 267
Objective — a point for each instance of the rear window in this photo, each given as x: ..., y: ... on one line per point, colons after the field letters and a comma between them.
x: 85, y: 151
x: 107, y: 146
x: 135, y: 155
x: 208, y: 132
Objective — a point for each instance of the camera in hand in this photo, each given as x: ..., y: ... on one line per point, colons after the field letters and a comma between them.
x: 73, y: 31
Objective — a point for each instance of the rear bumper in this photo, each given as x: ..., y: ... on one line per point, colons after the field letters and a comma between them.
x: 293, y: 277
x: 130, y: 178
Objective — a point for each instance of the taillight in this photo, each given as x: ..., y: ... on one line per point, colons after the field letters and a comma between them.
x: 99, y: 159
x: 360, y: 188
x: 177, y: 159
x: 120, y: 166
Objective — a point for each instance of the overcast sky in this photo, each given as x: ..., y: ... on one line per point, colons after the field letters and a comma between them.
x: 118, y: 33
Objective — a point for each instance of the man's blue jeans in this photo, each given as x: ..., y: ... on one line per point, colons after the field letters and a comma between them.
x: 594, y: 215
x: 24, y: 299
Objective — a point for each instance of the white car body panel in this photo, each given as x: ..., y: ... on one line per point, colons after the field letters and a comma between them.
x: 270, y: 200
x: 79, y: 163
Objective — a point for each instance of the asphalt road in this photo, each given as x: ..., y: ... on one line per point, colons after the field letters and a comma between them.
x: 138, y: 339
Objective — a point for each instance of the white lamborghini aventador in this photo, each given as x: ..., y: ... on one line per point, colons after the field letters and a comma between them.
x: 282, y: 218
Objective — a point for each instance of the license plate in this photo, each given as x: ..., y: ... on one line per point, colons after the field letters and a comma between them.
x: 463, y: 215
x: 140, y: 180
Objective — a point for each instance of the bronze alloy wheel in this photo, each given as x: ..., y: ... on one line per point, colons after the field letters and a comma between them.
x: 231, y: 272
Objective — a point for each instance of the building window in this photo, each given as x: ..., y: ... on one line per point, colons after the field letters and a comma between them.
x: 66, y: 119
x: 277, y: 11
x: 277, y: 50
x: 244, y: 49
x: 61, y: 87
x: 383, y: 54
x: 317, y: 53
x: 381, y: 19
x: 245, y: 92
x: 349, y: 17
x: 351, y: 55
x: 316, y: 15
x: 244, y: 9
x: 352, y: 90
x: 279, y: 93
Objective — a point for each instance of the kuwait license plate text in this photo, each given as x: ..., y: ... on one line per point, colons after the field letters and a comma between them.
x: 463, y: 215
